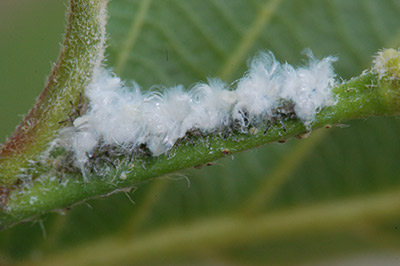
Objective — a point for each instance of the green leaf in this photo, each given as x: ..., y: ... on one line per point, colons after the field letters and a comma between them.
x: 330, y: 196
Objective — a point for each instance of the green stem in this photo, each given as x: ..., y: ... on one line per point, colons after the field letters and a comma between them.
x: 375, y: 93
x: 82, y: 51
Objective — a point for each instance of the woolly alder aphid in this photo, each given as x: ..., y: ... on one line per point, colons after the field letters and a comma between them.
x: 77, y: 110
x: 122, y: 116
x: 225, y: 152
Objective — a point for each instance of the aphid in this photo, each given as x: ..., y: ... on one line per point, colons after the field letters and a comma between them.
x: 143, y: 150
x: 191, y: 135
x: 284, y: 112
x: 225, y: 151
x: 77, y: 110
x: 151, y: 123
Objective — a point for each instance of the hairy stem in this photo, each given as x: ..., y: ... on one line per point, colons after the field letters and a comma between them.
x: 52, y: 187
x: 82, y: 51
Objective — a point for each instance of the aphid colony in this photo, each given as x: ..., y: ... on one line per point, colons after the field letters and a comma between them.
x: 128, y: 118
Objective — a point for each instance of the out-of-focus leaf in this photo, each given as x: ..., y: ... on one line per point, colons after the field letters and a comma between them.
x: 181, y: 42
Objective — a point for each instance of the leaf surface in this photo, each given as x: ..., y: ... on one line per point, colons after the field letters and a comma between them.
x: 329, y: 196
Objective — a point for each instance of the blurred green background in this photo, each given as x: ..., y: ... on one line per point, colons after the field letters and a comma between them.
x: 31, y: 33
x: 327, y: 200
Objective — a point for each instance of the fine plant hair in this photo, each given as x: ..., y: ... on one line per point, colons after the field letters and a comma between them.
x: 90, y: 134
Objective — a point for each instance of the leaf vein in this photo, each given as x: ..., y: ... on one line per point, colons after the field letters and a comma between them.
x: 242, y: 49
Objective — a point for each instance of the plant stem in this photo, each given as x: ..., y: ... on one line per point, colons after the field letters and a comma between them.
x: 82, y: 51
x: 374, y: 93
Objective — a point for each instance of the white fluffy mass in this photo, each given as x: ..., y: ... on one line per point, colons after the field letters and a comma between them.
x: 127, y: 117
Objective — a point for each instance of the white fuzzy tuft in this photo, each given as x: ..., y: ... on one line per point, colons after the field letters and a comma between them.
x: 386, y: 64
x: 124, y: 116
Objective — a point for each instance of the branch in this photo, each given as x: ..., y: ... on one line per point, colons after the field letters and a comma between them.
x: 82, y: 51
x: 35, y: 180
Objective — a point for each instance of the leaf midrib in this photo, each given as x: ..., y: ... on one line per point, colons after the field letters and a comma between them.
x: 132, y: 36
